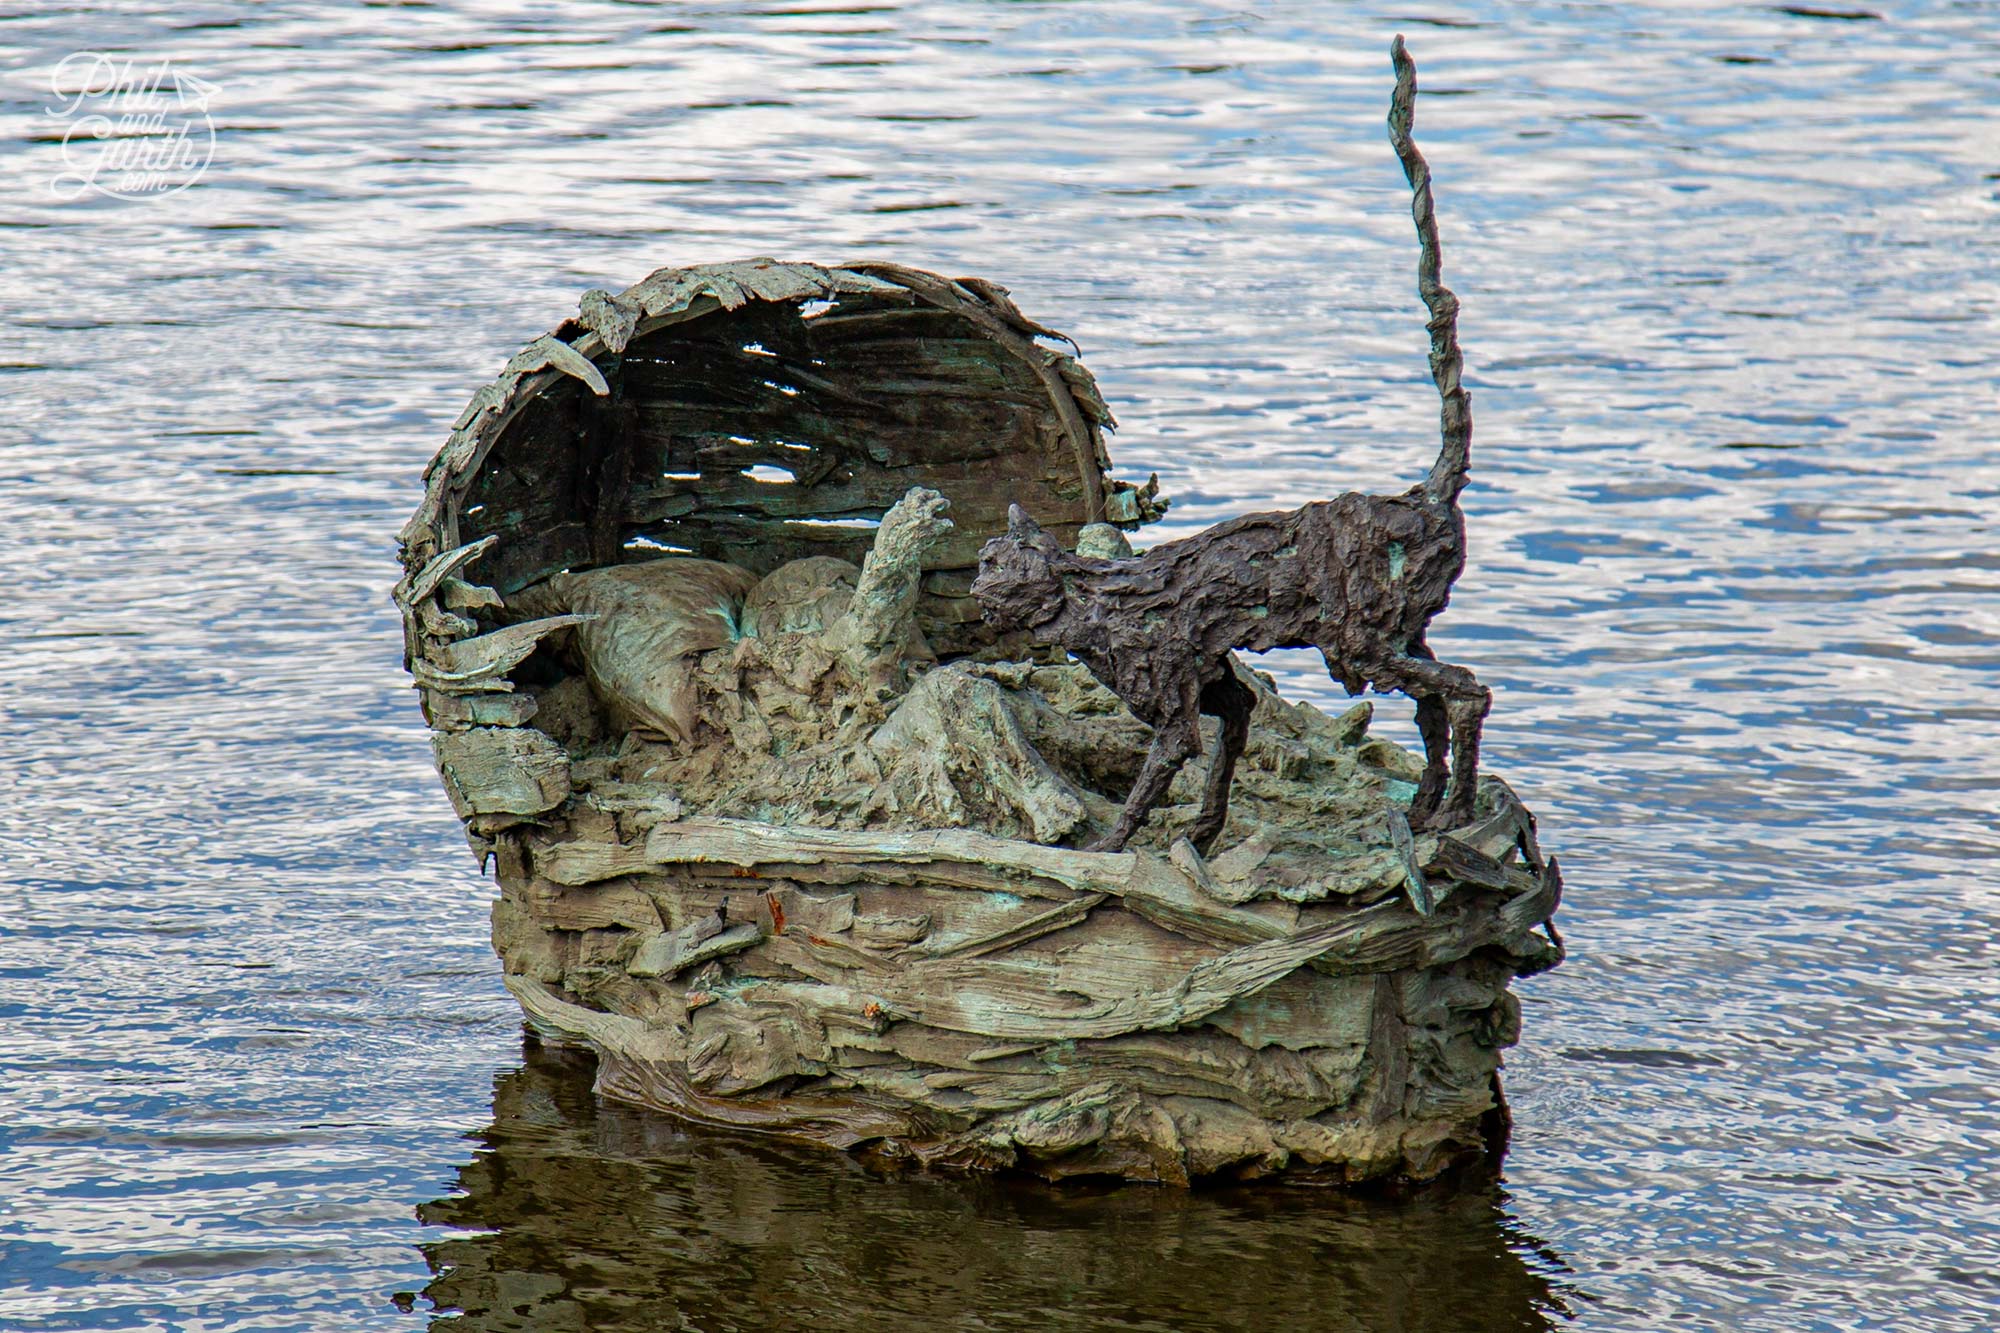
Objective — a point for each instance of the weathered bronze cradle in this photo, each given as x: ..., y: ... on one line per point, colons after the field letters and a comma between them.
x: 936, y: 994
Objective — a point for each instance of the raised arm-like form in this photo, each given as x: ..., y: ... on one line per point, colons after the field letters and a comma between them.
x: 875, y: 633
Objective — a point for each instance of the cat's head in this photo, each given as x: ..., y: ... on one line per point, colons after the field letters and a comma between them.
x: 1019, y: 584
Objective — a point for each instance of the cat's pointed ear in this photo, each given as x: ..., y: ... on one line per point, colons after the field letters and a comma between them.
x: 1019, y: 524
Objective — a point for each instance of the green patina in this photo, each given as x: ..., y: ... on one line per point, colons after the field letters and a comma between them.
x: 732, y: 620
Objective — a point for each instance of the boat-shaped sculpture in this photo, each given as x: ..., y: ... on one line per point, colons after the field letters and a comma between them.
x: 791, y: 836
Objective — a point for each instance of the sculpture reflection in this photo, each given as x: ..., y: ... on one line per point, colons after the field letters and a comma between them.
x: 592, y: 1216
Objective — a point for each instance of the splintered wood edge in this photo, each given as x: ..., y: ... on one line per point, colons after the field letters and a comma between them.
x: 429, y: 541
x: 674, y: 295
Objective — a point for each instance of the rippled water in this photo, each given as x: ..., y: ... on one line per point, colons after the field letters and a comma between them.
x: 1731, y: 278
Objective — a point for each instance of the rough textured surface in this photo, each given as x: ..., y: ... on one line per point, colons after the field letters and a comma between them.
x: 758, y: 412
x: 644, y: 623
x: 839, y: 895
x: 1359, y: 578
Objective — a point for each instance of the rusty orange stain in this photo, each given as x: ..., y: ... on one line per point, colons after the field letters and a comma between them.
x: 777, y: 914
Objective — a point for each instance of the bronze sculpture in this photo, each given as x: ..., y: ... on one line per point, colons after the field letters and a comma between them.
x: 1358, y: 577
x: 779, y: 837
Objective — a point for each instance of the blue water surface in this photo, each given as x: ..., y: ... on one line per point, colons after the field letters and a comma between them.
x: 1731, y: 285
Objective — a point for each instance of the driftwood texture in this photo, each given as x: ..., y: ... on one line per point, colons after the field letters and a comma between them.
x: 1360, y: 578
x: 760, y: 412
x: 981, y: 1002
x: 817, y: 888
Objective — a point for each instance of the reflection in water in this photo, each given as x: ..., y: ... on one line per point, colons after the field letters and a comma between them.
x: 592, y: 1216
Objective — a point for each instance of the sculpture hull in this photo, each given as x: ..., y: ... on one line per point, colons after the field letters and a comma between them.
x: 828, y: 904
